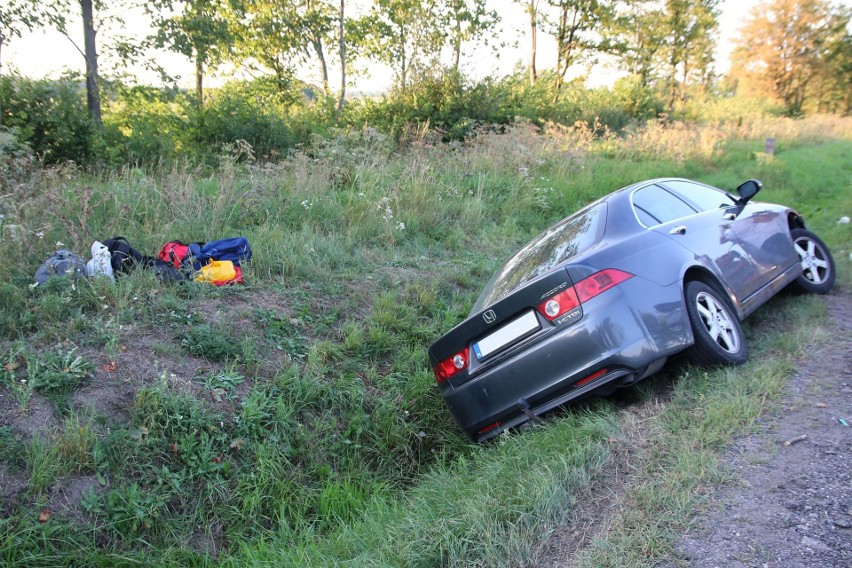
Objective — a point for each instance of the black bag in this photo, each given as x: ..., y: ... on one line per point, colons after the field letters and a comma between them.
x: 124, y: 257
x: 168, y: 273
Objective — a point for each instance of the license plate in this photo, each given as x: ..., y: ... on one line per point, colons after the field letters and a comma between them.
x: 512, y: 331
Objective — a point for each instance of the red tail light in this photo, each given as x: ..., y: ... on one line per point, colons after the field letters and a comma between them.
x: 452, y: 365
x: 584, y: 290
x: 559, y: 304
x: 599, y: 282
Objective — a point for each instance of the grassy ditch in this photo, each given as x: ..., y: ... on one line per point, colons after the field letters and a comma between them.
x: 294, y: 420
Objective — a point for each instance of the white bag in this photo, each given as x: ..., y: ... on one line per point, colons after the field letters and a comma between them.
x: 100, y: 264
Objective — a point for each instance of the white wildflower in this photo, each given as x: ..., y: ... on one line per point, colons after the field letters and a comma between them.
x: 384, y: 205
x: 843, y: 220
x: 400, y: 226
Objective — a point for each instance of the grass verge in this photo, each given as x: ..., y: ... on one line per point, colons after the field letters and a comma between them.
x: 294, y: 420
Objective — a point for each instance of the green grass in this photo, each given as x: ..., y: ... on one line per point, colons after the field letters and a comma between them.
x: 295, y: 420
x: 680, y: 464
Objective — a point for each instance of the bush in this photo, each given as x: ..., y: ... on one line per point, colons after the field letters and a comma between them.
x: 147, y: 125
x: 271, y: 120
x: 49, y: 116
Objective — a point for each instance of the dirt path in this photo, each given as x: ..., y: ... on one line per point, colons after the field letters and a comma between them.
x: 790, y: 506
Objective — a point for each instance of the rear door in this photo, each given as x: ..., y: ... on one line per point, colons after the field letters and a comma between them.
x: 709, y: 235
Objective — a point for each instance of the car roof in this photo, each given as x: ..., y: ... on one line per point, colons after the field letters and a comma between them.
x: 621, y: 217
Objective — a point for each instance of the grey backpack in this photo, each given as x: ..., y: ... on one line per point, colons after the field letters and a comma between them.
x: 62, y: 263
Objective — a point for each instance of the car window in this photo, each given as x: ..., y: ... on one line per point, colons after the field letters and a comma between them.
x: 569, y: 237
x: 704, y: 197
x: 655, y: 201
x: 646, y: 218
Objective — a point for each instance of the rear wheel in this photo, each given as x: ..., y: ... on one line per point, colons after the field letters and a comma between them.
x: 719, y: 338
x: 818, y: 272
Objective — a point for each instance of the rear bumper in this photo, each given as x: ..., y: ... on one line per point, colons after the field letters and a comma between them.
x: 621, y: 333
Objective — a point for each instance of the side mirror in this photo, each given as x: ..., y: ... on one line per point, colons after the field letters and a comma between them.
x: 747, y: 190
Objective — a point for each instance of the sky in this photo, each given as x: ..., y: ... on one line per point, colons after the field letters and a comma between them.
x: 49, y: 54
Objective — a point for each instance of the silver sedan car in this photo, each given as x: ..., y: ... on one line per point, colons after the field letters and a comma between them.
x: 601, y: 299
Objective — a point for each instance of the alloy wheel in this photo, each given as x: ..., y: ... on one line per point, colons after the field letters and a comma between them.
x: 717, y: 322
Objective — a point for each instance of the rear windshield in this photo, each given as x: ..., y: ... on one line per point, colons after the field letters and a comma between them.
x: 570, y: 237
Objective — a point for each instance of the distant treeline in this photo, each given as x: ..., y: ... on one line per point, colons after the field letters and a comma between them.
x: 792, y: 56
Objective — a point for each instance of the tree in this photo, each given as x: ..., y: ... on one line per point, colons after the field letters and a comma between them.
x: 466, y: 20
x: 788, y: 45
x: 642, y: 33
x: 532, y: 12
x: 835, y: 74
x: 690, y: 39
x: 15, y: 17
x: 581, y: 26
x: 54, y: 12
x: 342, y: 43
x: 404, y: 34
x: 93, y: 92
x: 281, y: 34
x: 318, y: 24
x: 268, y: 32
x: 198, y: 30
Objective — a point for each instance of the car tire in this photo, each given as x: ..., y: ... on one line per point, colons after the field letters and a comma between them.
x: 719, y: 337
x: 818, y: 270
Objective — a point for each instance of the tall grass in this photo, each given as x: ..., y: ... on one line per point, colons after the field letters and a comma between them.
x: 295, y: 419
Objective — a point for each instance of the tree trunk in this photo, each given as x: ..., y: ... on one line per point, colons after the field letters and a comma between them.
x: 533, y: 39
x: 673, y: 61
x: 1, y: 74
x: 404, y: 64
x: 93, y: 96
x: 199, y: 80
x: 457, y: 46
x: 317, y: 43
x: 342, y: 61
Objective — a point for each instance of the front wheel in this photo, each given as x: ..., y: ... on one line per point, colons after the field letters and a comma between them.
x: 818, y: 271
x: 719, y: 338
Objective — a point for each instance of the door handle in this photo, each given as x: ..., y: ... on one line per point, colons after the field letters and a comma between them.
x: 679, y: 230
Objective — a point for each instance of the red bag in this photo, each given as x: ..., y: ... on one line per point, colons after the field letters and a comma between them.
x: 174, y: 252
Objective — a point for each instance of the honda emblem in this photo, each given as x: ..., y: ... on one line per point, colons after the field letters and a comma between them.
x: 489, y: 316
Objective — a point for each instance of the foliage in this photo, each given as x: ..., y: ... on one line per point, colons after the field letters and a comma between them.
x: 797, y: 51
x: 198, y: 29
x: 48, y: 116
x: 581, y: 28
x: 278, y: 36
x: 15, y: 17
x: 403, y: 34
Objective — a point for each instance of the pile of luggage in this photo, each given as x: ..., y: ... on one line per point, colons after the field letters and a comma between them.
x: 216, y: 262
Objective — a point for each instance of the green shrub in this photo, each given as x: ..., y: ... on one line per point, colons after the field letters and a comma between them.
x: 49, y: 116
